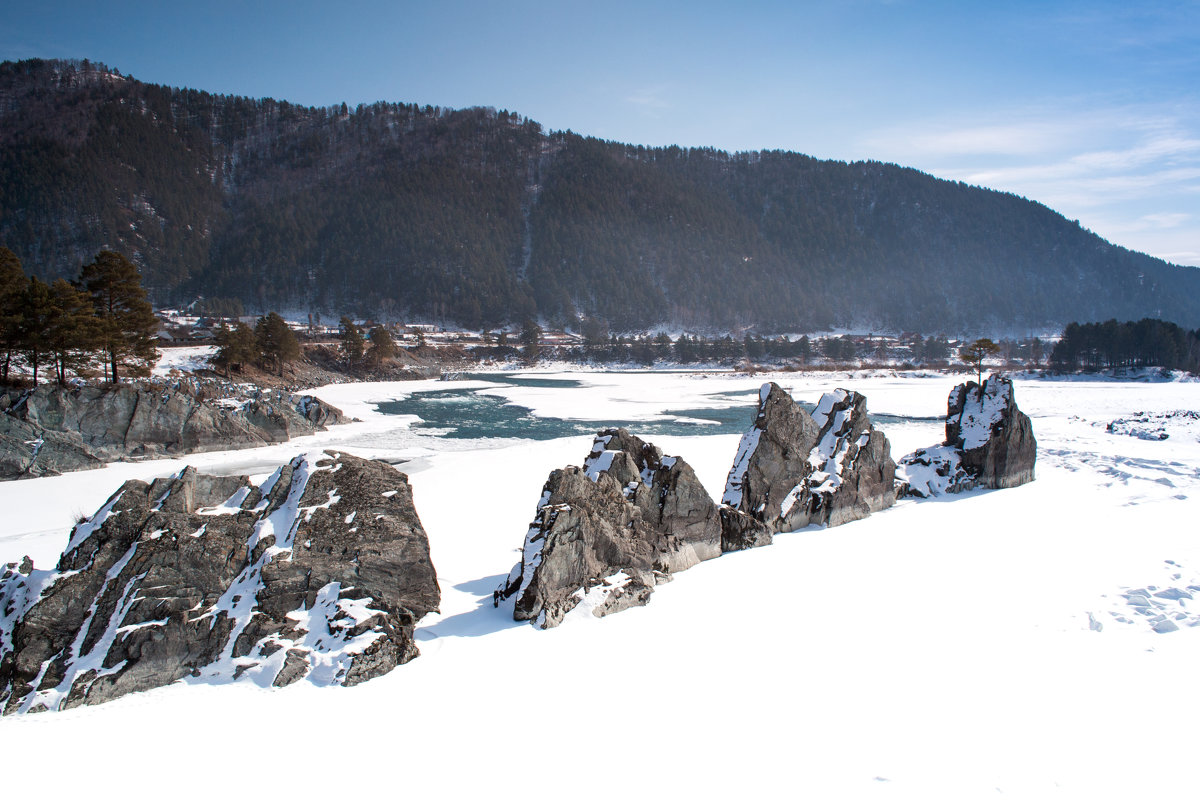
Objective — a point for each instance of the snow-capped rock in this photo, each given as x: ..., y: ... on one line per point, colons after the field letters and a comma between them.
x: 320, y: 572
x: 989, y: 443
x: 629, y: 509
x: 793, y: 469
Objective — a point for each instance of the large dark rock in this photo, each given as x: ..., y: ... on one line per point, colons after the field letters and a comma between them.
x: 320, y: 573
x: 793, y: 469
x: 604, y: 534
x: 989, y: 443
x: 104, y: 423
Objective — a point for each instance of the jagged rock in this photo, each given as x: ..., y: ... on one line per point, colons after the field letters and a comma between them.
x: 793, y: 469
x: 989, y: 443
x: 84, y: 426
x: 667, y: 492
x: 629, y: 511
x: 320, y: 572
x: 772, y: 462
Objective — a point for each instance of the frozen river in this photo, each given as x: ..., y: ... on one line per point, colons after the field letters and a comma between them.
x: 943, y: 648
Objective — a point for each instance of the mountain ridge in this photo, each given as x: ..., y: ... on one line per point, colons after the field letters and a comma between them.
x: 479, y: 217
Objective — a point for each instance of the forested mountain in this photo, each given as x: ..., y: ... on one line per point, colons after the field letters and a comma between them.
x: 480, y: 217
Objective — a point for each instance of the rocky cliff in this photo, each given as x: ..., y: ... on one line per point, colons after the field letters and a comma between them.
x: 320, y: 572
x: 51, y: 429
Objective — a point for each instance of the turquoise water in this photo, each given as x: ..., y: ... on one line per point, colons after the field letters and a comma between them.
x: 465, y: 414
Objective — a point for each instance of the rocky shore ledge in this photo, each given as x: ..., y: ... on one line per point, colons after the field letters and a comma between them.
x: 53, y: 429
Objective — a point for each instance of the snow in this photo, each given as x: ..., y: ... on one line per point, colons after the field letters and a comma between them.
x: 182, y: 359
x: 943, y: 648
x: 735, y: 481
x: 982, y: 410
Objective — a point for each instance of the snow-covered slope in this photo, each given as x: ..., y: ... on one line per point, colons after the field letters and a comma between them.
x: 941, y: 648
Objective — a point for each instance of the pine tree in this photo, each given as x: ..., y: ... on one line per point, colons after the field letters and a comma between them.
x: 236, y: 347
x: 352, y: 342
x: 531, y: 335
x: 37, y: 314
x: 975, y: 353
x: 71, y: 330
x: 383, y: 346
x: 277, y: 345
x: 13, y: 284
x: 127, y: 324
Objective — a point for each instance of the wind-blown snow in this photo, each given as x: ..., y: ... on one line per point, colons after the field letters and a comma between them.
x: 939, y: 649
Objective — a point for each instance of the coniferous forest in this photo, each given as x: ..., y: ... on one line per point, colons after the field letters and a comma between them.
x: 479, y: 217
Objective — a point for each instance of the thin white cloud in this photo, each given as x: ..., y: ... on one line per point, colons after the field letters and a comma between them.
x: 650, y: 97
x: 1132, y: 174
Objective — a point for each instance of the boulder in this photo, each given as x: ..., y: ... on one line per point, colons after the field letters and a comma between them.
x: 604, y: 534
x: 989, y: 443
x: 793, y: 469
x: 321, y: 573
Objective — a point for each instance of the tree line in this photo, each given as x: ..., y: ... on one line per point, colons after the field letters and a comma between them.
x: 1145, y: 343
x: 69, y: 327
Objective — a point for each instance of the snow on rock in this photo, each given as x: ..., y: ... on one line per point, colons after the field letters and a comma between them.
x: 989, y: 443
x: 794, y: 469
x: 932, y: 471
x: 196, y: 577
x: 630, y: 509
x: 1158, y: 427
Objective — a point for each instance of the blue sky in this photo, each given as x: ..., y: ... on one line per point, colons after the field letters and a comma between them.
x: 1092, y: 108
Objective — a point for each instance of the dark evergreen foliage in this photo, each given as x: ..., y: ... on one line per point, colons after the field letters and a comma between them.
x: 236, y: 347
x: 383, y: 346
x: 352, y: 342
x: 277, y: 345
x: 126, y: 324
x: 1146, y: 343
x: 478, y: 217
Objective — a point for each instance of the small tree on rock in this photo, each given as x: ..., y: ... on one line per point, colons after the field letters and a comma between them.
x: 975, y: 353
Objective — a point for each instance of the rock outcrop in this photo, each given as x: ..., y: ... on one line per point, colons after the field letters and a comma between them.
x: 319, y: 573
x: 989, y: 443
x: 30, y: 451
x: 604, y: 534
x: 794, y: 469
x: 87, y: 425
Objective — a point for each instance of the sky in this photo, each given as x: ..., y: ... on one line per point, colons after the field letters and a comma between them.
x: 1092, y: 108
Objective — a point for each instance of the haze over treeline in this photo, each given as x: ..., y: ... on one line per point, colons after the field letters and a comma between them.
x: 479, y: 217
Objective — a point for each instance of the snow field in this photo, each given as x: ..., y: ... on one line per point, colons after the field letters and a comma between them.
x: 941, y: 648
